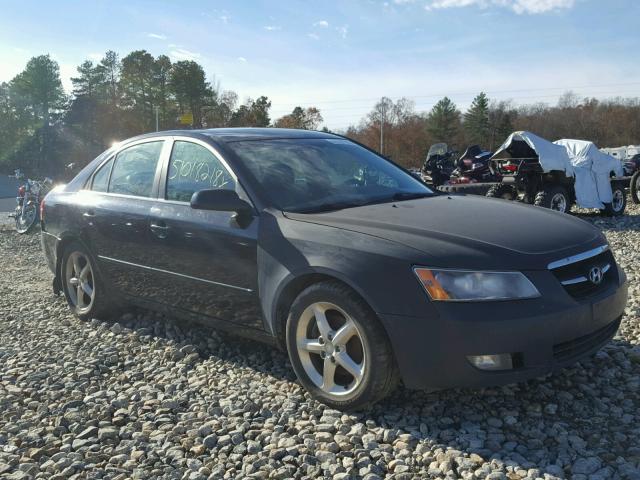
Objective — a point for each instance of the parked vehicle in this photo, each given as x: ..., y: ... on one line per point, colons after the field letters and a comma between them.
x: 634, y: 187
x: 28, y: 201
x: 632, y: 165
x: 557, y: 175
x: 321, y: 246
x: 439, y: 164
x: 473, y: 167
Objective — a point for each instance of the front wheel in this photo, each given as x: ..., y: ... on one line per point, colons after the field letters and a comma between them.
x: 618, y: 203
x: 554, y: 197
x: 338, y: 348
x: 25, y: 220
x: 86, y: 294
x: 504, y: 191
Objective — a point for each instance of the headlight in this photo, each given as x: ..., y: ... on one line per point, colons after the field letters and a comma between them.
x: 461, y: 285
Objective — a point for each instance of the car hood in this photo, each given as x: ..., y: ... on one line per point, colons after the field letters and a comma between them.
x: 469, y: 231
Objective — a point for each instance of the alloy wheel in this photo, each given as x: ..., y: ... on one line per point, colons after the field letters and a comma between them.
x: 331, y: 349
x: 559, y: 203
x: 80, y: 282
x: 618, y: 200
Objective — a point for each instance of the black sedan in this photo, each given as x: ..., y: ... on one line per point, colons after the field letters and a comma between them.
x: 319, y: 245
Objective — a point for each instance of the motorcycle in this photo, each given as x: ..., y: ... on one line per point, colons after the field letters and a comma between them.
x: 28, y: 201
x: 473, y: 167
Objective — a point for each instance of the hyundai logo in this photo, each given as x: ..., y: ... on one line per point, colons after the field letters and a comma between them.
x: 595, y: 275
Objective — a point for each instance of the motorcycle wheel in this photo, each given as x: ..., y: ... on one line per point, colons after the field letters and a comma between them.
x: 24, y: 223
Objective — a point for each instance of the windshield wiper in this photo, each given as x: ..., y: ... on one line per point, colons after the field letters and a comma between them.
x: 410, y: 195
x: 397, y: 197
x: 329, y: 207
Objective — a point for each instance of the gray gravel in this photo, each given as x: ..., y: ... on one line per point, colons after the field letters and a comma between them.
x: 151, y: 397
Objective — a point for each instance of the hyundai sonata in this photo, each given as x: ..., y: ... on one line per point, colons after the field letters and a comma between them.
x: 319, y: 245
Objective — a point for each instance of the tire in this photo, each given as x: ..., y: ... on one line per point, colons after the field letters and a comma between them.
x: 554, y: 197
x: 619, y: 204
x: 85, y: 284
x: 25, y: 223
x: 504, y: 191
x: 363, y: 347
x: 634, y: 186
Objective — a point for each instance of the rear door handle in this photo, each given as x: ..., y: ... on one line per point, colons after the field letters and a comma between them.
x: 89, y: 214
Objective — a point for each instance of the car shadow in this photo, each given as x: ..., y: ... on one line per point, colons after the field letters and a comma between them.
x: 587, y: 410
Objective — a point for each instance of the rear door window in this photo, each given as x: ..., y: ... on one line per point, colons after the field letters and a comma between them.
x: 135, y: 169
x: 100, y: 181
x: 193, y: 167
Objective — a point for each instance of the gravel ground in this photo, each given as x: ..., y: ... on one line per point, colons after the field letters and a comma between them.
x: 151, y: 397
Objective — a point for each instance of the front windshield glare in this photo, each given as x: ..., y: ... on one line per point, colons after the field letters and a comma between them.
x: 307, y: 175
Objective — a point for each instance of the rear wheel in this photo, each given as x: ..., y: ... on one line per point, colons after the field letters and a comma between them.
x: 503, y: 190
x: 554, y: 197
x: 338, y: 348
x: 619, y: 202
x: 85, y: 292
x: 634, y: 186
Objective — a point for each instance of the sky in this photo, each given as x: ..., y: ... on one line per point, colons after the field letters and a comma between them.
x: 342, y: 56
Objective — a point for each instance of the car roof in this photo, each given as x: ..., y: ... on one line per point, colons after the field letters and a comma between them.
x: 225, y: 135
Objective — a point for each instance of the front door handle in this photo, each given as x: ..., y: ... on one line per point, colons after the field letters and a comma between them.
x: 89, y: 214
x: 159, y: 228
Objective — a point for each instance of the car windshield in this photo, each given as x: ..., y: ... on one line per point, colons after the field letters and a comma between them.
x: 314, y: 175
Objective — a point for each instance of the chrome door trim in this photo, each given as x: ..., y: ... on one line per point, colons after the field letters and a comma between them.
x: 131, y: 264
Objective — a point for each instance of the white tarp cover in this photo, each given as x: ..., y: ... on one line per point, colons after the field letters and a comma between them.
x: 592, y: 169
x: 551, y: 156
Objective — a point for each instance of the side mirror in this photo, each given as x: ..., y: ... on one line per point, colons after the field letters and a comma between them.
x: 220, y: 200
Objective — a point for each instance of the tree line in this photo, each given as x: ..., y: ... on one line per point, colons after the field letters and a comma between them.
x: 42, y: 129
x: 408, y: 133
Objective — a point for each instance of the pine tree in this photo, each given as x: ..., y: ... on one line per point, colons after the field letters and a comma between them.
x: 476, y: 120
x: 443, y: 122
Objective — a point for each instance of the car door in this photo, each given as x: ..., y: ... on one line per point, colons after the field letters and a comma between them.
x: 115, y: 211
x: 206, y: 260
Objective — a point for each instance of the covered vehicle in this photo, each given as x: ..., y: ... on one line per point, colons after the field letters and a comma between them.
x: 592, y: 171
x: 557, y: 174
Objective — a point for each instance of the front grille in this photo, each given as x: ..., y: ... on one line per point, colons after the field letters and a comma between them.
x: 574, y: 348
x: 574, y: 276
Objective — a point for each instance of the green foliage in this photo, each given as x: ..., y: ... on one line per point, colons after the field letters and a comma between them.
x: 113, y: 99
x: 476, y: 120
x: 300, y: 118
x: 31, y: 105
x: 252, y: 114
x: 443, y: 122
x: 192, y: 91
x: 39, y: 87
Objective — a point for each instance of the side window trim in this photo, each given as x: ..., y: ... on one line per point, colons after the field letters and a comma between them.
x: 162, y: 194
x: 164, y: 152
x: 153, y: 193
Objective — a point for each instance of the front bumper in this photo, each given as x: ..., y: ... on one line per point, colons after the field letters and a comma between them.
x: 544, y: 334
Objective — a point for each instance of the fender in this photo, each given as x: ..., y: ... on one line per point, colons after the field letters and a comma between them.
x: 310, y: 272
